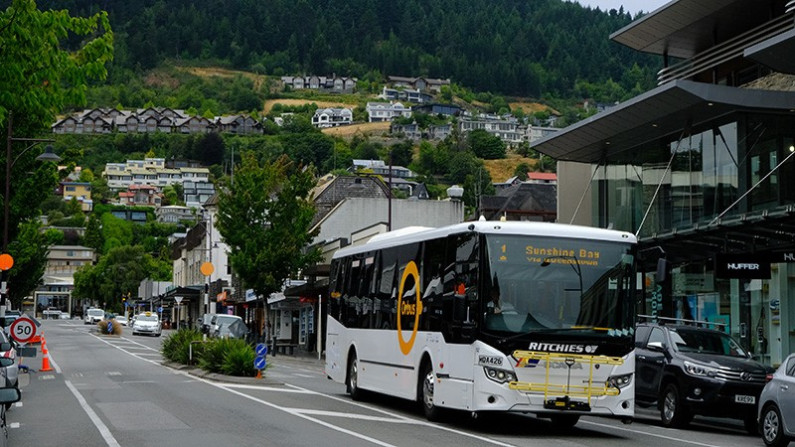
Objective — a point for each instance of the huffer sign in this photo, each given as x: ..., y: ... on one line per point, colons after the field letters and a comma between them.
x: 742, y: 265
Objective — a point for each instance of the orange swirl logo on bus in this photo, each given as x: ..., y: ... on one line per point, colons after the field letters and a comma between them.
x: 409, y: 308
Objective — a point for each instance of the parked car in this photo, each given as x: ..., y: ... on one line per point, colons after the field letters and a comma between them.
x: 7, y: 320
x: 7, y: 397
x: 147, y: 323
x: 231, y: 326
x: 94, y: 315
x: 687, y: 370
x: 8, y: 361
x: 777, y: 406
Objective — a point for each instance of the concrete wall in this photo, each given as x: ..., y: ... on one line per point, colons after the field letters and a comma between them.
x: 356, y: 213
x: 573, y: 181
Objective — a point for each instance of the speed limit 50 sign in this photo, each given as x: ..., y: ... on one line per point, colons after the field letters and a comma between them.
x: 23, y: 329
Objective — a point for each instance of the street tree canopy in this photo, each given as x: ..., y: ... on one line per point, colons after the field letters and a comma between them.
x: 40, y: 75
x: 265, y: 216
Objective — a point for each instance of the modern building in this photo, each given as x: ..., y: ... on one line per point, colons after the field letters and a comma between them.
x: 701, y: 168
x: 58, y: 279
x: 386, y: 111
x: 332, y: 117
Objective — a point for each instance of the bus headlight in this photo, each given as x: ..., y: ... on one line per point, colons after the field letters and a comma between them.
x: 499, y: 375
x: 619, y: 382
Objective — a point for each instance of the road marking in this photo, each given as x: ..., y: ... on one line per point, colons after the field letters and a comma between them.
x: 353, y: 416
x: 638, y: 432
x: 47, y: 377
x: 18, y: 404
x: 103, y: 429
x: 113, y: 373
x: 265, y: 388
x: 13, y: 425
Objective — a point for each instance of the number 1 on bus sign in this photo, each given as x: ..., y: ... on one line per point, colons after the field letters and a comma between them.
x: 23, y: 329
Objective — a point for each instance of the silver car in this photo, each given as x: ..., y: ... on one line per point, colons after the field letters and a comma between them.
x: 147, y: 323
x: 8, y: 362
x: 777, y: 406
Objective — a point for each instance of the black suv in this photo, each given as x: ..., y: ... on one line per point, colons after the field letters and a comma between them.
x: 687, y: 370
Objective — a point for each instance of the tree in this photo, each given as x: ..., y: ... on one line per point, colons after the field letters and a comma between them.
x: 43, y: 71
x: 120, y: 271
x: 265, y: 217
x: 485, y: 145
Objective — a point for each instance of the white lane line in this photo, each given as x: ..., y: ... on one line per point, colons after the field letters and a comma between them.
x: 264, y: 388
x: 103, y: 429
x: 638, y: 432
x: 52, y: 361
x: 353, y: 416
x: 138, y: 356
x: 408, y: 419
x: 13, y: 425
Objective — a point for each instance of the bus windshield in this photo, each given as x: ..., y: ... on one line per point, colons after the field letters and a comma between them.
x: 554, y: 284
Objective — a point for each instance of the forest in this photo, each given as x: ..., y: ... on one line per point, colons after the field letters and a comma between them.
x: 524, y: 48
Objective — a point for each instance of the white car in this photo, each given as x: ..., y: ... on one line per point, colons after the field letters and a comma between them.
x: 147, y: 323
x: 120, y: 318
x: 777, y: 406
x: 94, y: 315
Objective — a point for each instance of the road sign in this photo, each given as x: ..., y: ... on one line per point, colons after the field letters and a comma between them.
x: 6, y: 262
x: 110, y: 327
x: 23, y: 329
x: 207, y: 269
x: 160, y: 309
x: 177, y: 299
x: 259, y: 362
x: 261, y: 349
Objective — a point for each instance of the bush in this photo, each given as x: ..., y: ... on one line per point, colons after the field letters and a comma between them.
x: 176, y: 347
x: 231, y: 356
x: 239, y: 361
x: 115, y: 327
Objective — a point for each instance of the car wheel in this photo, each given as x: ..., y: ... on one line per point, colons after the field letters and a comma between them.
x: 425, y: 388
x: 353, y: 378
x: 772, y: 427
x: 672, y: 410
x: 563, y: 421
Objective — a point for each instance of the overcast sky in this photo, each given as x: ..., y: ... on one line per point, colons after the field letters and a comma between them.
x: 631, y: 6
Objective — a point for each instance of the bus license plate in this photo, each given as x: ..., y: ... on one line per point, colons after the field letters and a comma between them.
x: 742, y: 399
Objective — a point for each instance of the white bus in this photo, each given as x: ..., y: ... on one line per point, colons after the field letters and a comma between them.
x: 488, y: 316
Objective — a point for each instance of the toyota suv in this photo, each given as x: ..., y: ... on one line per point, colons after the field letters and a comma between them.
x: 687, y: 370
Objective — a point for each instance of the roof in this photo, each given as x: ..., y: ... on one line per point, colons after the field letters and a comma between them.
x: 684, y: 28
x: 491, y: 227
x: 660, y: 112
x: 542, y: 176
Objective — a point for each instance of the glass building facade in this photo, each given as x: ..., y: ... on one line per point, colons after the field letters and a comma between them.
x: 724, y: 170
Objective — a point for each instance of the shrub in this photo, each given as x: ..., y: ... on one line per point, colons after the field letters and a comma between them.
x: 115, y: 327
x: 239, y: 360
x: 176, y: 347
x: 231, y: 356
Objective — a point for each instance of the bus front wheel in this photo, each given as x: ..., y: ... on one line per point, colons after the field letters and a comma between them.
x: 425, y: 393
x: 353, y: 378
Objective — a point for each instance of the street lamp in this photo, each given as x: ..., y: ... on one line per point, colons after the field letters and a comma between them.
x: 48, y: 155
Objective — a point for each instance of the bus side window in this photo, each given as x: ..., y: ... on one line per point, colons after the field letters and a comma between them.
x: 432, y: 281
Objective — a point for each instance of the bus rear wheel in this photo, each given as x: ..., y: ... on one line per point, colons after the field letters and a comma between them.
x: 353, y: 378
x: 425, y: 393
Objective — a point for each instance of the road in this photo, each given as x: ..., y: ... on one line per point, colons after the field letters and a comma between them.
x: 115, y: 391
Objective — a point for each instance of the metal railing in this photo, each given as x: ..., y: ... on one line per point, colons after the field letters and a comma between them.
x: 728, y: 50
x: 559, y: 394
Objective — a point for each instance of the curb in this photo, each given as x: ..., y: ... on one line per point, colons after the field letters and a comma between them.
x: 222, y: 378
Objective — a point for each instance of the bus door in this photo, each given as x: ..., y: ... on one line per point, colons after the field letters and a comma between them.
x: 460, y: 285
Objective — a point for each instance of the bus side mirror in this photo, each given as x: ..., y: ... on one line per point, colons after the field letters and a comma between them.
x: 662, y: 270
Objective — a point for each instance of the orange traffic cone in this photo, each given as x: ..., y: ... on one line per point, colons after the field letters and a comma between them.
x: 45, y: 360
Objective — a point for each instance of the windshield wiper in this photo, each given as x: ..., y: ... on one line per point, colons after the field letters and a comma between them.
x: 548, y: 331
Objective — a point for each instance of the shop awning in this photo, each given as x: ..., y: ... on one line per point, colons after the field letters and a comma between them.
x: 663, y: 111
x: 770, y: 232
